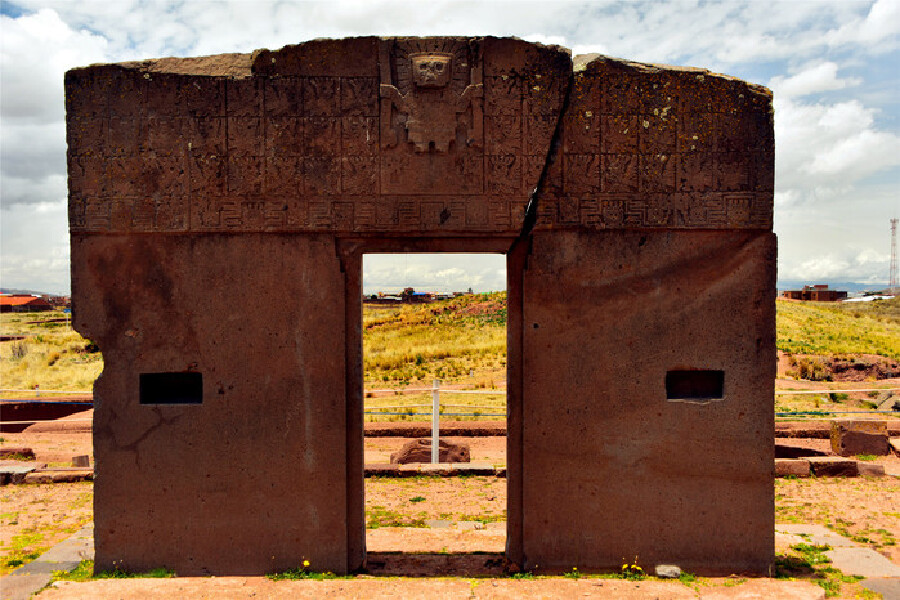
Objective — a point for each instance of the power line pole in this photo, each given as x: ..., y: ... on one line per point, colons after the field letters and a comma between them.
x: 893, y: 286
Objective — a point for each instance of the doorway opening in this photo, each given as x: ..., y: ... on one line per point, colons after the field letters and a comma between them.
x: 434, y: 334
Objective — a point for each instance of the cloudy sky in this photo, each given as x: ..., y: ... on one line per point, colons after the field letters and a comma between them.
x: 833, y: 66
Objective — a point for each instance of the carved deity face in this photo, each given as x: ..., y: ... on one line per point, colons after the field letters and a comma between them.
x: 431, y: 70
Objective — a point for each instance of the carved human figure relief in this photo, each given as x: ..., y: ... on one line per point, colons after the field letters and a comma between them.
x: 437, y: 99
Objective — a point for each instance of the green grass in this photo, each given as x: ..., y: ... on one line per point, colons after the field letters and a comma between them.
x: 85, y: 572
x: 22, y: 549
x: 443, y: 340
x: 839, y: 328
x: 808, y: 561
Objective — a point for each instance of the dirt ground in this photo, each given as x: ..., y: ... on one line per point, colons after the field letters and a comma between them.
x: 377, y: 588
x: 35, y: 517
x: 865, y: 509
x: 413, y: 501
x: 434, y: 526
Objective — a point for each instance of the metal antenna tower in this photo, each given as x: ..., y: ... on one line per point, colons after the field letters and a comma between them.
x: 893, y: 286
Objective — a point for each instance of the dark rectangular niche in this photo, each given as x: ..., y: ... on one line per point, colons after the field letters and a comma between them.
x: 695, y: 386
x: 171, y: 388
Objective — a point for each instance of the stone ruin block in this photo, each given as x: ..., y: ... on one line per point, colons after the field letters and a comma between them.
x: 633, y: 203
x: 419, y: 451
x: 851, y: 437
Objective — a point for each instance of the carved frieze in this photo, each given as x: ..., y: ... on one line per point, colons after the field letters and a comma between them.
x: 420, y: 135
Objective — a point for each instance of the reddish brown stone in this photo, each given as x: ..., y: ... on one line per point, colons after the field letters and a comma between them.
x: 419, y: 451
x: 833, y: 466
x: 791, y: 467
x: 850, y: 437
x: 868, y: 469
x: 17, y: 453
x: 647, y: 241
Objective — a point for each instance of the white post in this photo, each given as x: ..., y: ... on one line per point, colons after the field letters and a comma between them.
x: 435, y: 421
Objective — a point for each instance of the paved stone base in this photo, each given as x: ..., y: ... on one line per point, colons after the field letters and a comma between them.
x: 791, y: 467
x: 863, y: 562
x: 431, y: 587
x: 65, y: 556
x: 60, y: 476
x: 15, y: 471
x: 888, y: 587
x: 833, y: 466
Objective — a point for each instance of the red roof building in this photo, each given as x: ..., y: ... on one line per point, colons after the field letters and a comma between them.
x: 22, y: 303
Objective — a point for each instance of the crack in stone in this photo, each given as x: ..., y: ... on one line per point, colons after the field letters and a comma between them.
x: 531, y: 209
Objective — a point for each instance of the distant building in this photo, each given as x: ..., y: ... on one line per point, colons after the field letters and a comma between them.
x: 410, y: 296
x: 815, y: 293
x: 23, y: 303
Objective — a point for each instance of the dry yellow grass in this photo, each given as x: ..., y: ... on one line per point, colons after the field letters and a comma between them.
x: 51, y: 356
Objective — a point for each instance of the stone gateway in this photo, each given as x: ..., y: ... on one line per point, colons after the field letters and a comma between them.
x: 219, y: 209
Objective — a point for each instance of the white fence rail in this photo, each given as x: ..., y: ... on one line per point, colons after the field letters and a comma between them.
x: 435, y: 406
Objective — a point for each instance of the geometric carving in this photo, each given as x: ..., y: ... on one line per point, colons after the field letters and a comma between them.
x: 418, y: 140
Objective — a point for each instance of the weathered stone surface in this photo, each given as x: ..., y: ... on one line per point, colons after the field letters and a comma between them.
x: 633, y: 202
x: 863, y: 562
x: 895, y: 445
x: 851, y: 437
x: 833, y: 466
x: 81, y: 461
x: 17, y: 471
x: 16, y: 453
x: 795, y: 449
x: 791, y: 467
x: 668, y: 571
x: 419, y: 451
x: 59, y: 476
x: 869, y: 469
x: 587, y: 296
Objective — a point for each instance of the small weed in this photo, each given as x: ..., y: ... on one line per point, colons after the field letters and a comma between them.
x: 632, y: 572
x: 573, y: 574
x: 523, y: 575
x: 813, y: 554
x: 301, y: 572
x: 19, y: 350
x: 866, y: 457
x: 417, y: 499
x: 17, y: 456
x: 22, y: 549
x: 85, y: 572
x: 687, y: 577
x: 378, y: 516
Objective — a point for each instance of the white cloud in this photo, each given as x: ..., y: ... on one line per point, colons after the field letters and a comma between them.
x: 862, y: 154
x: 35, y: 253
x: 821, y: 145
x: 879, y: 29
x: 815, y: 78
x: 36, y: 50
x: 434, y: 272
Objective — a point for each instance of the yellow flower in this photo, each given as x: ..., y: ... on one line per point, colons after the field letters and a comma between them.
x: 305, y: 563
x: 625, y: 566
